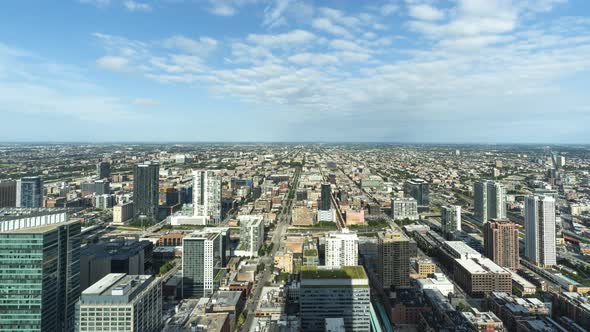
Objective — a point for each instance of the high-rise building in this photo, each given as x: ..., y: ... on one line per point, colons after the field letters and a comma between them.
x: 402, y: 208
x: 98, y: 187
x: 207, y: 196
x: 450, y: 219
x: 7, y: 193
x: 489, y: 200
x: 417, y: 188
x: 201, y: 255
x: 337, y: 293
x: 394, y: 251
x: 145, y: 190
x: 342, y: 249
x: 539, y: 223
x: 500, y: 240
x: 326, y: 203
x: 40, y: 277
x: 103, y: 170
x: 251, y: 234
x: 120, y: 302
x: 29, y: 192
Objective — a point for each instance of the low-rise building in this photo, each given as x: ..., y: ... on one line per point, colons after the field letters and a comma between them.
x: 119, y: 302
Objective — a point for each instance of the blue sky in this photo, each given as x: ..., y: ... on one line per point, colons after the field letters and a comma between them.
x: 295, y: 70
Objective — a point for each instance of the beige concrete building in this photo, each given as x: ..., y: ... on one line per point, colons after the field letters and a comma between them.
x: 501, y: 242
x: 394, y: 259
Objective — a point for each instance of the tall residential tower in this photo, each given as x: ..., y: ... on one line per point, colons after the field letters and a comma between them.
x: 539, y: 223
x: 489, y: 200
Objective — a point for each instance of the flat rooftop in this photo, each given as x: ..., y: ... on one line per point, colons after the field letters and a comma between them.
x: 115, y: 288
x: 346, y: 272
x: 41, y: 229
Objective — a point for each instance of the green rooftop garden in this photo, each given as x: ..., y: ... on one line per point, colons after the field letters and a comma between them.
x: 310, y: 252
x: 346, y: 272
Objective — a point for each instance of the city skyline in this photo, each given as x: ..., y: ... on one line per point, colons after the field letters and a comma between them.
x: 295, y: 71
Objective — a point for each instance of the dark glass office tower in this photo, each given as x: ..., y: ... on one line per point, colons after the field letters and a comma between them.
x: 418, y: 189
x: 7, y: 193
x: 326, y: 204
x: 29, y: 192
x: 40, y: 277
x: 145, y: 190
x: 103, y: 170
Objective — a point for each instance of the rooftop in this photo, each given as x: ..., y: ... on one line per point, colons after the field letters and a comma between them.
x: 346, y: 272
x: 41, y: 229
x: 115, y: 288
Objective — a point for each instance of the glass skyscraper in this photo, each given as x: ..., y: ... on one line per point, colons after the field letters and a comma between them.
x: 146, y: 179
x: 29, y: 192
x: 40, y: 277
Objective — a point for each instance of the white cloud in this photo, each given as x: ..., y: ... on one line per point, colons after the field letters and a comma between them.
x: 38, y: 85
x: 425, y: 12
x: 273, y: 13
x: 283, y: 39
x: 202, y: 46
x: 315, y: 59
x: 229, y: 7
x: 135, y: 6
x: 327, y: 25
x: 114, y: 63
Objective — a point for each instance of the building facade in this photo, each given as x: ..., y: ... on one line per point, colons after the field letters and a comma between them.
x: 40, y: 274
x: 489, y: 200
x: 402, y: 208
x: 7, y: 193
x: 450, y: 219
x: 103, y: 170
x: 419, y: 190
x: 500, y: 238
x: 341, y: 293
x: 393, y: 259
x: 207, y: 196
x: 342, y: 249
x: 201, y: 254
x: 29, y: 192
x: 539, y: 223
x: 145, y: 190
x: 119, y: 302
x: 251, y: 234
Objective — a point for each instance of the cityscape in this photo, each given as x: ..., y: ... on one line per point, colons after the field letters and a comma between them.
x: 294, y: 237
x: 295, y: 166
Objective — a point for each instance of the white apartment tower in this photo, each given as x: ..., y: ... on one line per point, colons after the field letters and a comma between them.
x: 489, y: 200
x: 207, y: 196
x: 451, y: 219
x: 341, y: 249
x: 539, y: 223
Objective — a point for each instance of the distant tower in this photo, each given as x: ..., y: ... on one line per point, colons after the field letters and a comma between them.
x: 145, y: 190
x: 489, y: 200
x: 29, y: 192
x: 539, y: 223
x: 207, y: 196
x: 451, y: 219
x: 7, y: 193
x: 500, y: 238
x: 103, y: 170
x: 326, y: 203
x: 418, y: 189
